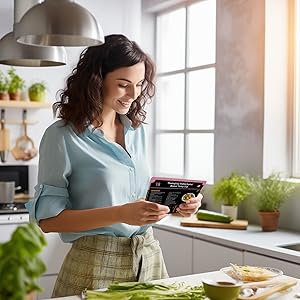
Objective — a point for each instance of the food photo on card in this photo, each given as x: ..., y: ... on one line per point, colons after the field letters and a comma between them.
x: 173, y: 191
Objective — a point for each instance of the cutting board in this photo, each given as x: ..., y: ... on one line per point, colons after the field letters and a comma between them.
x: 194, y: 222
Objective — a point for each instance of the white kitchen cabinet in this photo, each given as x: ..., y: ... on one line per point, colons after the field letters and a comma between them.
x: 6, y: 231
x: 54, y: 254
x: 177, y: 251
x: 47, y: 283
x: 288, y: 268
x: 211, y: 257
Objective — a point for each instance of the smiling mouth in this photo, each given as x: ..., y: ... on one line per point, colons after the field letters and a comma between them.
x: 125, y: 104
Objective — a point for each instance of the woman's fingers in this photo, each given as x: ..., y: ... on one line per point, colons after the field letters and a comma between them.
x: 190, y: 207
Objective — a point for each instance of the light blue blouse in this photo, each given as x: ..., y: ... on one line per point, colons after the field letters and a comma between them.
x: 88, y: 171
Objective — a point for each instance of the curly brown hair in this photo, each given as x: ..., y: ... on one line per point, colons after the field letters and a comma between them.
x: 81, y: 101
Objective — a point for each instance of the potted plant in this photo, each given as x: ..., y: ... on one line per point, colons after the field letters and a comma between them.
x: 4, y: 85
x: 37, y: 91
x: 20, y: 265
x: 16, y: 83
x: 269, y: 194
x: 230, y: 191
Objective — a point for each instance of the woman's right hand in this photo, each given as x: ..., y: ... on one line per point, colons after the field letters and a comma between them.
x: 142, y: 212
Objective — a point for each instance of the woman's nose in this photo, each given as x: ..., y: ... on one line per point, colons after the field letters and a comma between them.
x: 133, y: 93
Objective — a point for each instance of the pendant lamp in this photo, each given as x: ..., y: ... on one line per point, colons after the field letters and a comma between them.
x: 58, y: 23
x: 16, y: 54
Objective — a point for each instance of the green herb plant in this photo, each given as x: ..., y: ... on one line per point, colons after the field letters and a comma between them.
x: 20, y: 265
x: 231, y: 190
x: 4, y: 83
x: 37, y: 91
x: 148, y: 291
x: 16, y: 83
x: 271, y: 192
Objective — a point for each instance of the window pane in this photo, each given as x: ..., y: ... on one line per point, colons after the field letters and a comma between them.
x: 202, y: 33
x: 200, y: 154
x: 171, y: 41
x: 170, y: 102
x: 170, y: 154
x: 201, y: 99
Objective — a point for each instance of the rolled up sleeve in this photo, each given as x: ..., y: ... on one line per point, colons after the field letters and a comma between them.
x: 48, y: 201
x: 51, y: 193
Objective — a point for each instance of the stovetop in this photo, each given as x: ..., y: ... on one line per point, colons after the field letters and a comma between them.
x: 13, y: 208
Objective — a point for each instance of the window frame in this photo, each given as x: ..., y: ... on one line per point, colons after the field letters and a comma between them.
x: 186, y: 70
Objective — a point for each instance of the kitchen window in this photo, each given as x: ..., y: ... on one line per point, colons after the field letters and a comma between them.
x: 184, y: 115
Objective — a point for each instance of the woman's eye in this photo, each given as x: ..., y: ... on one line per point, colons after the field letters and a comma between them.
x: 123, y: 85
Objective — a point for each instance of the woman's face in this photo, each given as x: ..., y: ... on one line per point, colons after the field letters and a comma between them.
x: 122, y: 86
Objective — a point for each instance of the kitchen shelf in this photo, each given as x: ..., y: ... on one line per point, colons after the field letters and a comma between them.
x: 24, y: 104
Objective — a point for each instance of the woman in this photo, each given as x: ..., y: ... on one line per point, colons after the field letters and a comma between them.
x: 93, y: 174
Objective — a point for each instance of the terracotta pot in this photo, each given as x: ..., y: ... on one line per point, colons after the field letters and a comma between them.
x: 4, y: 96
x: 15, y: 96
x: 269, y: 220
x: 31, y: 296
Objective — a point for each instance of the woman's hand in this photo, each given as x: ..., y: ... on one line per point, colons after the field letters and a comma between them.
x: 142, y: 212
x: 190, y: 207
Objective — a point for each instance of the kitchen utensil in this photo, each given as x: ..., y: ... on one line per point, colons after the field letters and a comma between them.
x: 221, y: 290
x: 279, y: 286
x: 194, y: 222
x: 4, y: 138
x: 24, y: 148
x: 7, y: 191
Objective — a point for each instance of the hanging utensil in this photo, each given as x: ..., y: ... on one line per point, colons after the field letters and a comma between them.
x: 24, y: 148
x: 4, y: 138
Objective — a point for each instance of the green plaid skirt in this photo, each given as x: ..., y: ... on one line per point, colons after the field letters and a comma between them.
x: 96, y: 261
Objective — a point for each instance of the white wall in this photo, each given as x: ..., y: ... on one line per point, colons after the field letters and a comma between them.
x: 115, y: 16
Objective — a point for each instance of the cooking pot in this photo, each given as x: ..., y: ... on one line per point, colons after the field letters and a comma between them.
x: 7, y: 191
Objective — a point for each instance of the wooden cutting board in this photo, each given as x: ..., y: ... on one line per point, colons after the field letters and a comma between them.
x: 194, y: 222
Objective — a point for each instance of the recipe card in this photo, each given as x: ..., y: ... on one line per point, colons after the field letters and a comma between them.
x: 173, y: 191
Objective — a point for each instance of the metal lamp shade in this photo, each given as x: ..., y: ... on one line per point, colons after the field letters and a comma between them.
x: 16, y: 54
x: 58, y: 23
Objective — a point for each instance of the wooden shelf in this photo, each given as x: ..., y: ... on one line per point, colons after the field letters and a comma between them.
x: 24, y: 104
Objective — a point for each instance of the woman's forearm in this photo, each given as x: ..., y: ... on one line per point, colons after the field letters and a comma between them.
x: 82, y: 220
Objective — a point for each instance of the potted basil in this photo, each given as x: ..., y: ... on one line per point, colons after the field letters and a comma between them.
x: 230, y: 191
x: 4, y: 85
x: 16, y: 83
x: 20, y: 265
x: 269, y: 194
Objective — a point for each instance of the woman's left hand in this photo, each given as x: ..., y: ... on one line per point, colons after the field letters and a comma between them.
x: 190, y: 207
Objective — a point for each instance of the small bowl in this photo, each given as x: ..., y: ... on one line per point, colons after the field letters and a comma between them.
x: 222, y: 289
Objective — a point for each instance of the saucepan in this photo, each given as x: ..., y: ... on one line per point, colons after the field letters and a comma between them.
x: 7, y: 191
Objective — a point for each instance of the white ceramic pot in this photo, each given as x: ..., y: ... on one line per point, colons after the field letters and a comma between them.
x: 230, y: 211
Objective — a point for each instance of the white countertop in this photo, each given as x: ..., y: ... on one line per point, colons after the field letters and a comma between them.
x: 253, y: 239
x: 196, y: 280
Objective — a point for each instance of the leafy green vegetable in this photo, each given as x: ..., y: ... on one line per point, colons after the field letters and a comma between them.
x: 148, y: 291
x: 20, y: 267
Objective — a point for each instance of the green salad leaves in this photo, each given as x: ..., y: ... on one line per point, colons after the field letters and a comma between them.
x: 147, y: 291
x: 20, y: 267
